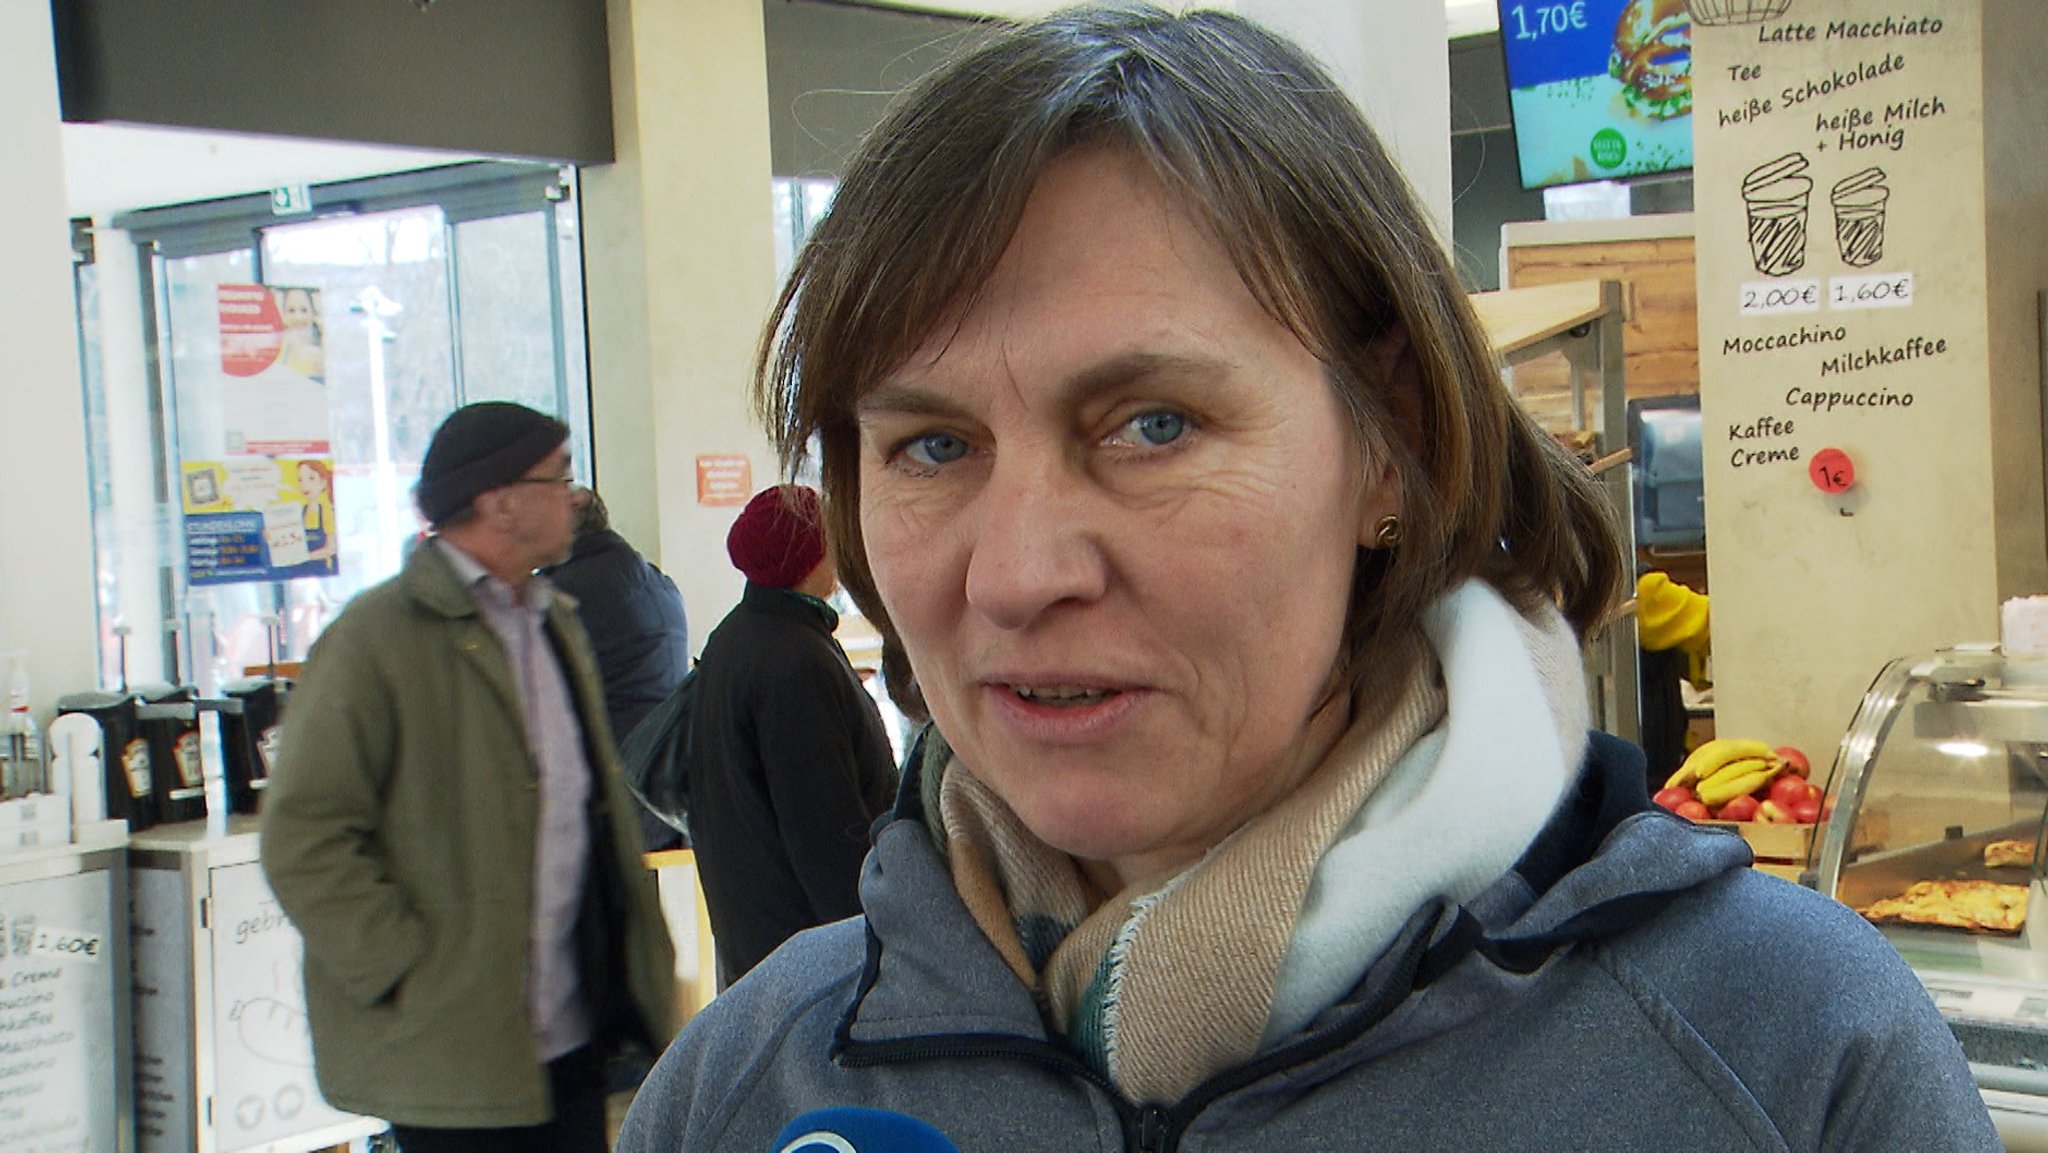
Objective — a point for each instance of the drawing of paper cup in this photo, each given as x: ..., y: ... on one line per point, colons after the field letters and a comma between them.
x: 1859, y: 217
x: 1775, y: 195
x: 1713, y: 12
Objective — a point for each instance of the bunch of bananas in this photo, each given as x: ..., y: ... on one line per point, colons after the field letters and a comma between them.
x: 1726, y: 768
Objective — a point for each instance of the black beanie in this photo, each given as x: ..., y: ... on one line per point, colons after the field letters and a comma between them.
x: 478, y: 448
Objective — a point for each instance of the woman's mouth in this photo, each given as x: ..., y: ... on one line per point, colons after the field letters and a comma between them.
x: 1062, y: 696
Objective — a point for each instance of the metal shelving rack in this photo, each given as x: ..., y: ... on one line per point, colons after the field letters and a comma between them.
x: 1582, y: 321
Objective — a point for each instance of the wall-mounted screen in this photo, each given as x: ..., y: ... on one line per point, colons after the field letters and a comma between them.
x: 1598, y: 89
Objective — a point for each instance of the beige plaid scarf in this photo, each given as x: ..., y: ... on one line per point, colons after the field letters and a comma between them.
x: 1112, y: 972
x: 1133, y: 1020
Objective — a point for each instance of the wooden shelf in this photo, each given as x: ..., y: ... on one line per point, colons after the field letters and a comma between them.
x: 1519, y: 319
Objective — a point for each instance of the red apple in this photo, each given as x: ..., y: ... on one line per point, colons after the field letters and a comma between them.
x: 1739, y: 809
x: 1806, y: 812
x: 1770, y: 813
x: 1673, y: 797
x: 1788, y: 790
x: 1692, y: 811
x: 1794, y: 760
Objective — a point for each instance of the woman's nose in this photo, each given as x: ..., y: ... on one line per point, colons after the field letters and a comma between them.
x: 1037, y: 542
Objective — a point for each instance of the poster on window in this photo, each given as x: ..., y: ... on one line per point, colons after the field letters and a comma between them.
x: 259, y: 518
x: 274, y: 370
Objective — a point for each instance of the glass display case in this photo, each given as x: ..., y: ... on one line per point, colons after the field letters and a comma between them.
x: 1943, y: 777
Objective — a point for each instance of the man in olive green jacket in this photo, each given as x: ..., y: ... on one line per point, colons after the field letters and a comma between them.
x: 448, y: 827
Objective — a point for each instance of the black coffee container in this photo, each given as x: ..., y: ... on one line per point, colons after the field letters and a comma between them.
x: 125, y: 755
x: 248, y: 737
x: 169, y: 718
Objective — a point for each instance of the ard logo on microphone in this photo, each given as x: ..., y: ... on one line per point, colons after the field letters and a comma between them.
x: 854, y: 1130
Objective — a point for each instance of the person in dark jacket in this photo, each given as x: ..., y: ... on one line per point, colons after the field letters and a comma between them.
x: 789, y: 762
x: 1258, y: 808
x: 635, y: 619
x: 631, y: 610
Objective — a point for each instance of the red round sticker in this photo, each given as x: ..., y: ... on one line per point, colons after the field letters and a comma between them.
x: 1832, y: 470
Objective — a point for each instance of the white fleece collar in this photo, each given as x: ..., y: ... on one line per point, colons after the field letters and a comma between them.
x: 1459, y: 807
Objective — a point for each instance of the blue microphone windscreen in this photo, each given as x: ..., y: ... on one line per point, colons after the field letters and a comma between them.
x: 850, y: 1129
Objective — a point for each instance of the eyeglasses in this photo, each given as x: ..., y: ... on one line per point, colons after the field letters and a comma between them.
x: 564, y: 481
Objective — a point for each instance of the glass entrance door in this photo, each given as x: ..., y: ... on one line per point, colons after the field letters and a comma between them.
x: 413, y: 299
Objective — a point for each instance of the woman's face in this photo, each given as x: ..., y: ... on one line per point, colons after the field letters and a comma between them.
x: 311, y: 483
x: 298, y: 309
x: 1114, y: 516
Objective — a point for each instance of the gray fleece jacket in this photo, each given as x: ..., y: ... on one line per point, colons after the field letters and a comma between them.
x: 1630, y: 985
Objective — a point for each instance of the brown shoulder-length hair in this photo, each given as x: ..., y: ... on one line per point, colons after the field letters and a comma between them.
x: 1260, y: 145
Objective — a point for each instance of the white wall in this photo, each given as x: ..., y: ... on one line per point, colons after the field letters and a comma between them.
x: 112, y: 168
x: 46, y: 574
x: 1392, y: 56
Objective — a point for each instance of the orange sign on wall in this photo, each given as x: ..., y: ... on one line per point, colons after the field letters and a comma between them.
x: 724, y: 480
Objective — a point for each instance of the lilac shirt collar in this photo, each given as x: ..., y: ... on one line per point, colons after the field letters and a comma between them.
x: 554, y: 735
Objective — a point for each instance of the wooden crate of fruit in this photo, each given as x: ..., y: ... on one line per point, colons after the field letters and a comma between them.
x: 1759, y: 793
x: 1780, y: 849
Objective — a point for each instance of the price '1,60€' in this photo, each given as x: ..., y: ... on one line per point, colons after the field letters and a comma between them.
x: 1884, y: 290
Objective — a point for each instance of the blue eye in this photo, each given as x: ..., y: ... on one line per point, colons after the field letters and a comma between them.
x: 935, y: 449
x: 1158, y: 428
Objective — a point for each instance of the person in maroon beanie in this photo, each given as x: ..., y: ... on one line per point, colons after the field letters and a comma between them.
x: 789, y: 761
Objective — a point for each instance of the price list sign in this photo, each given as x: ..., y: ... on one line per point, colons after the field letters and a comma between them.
x: 57, y: 1091
x: 1824, y: 136
x: 1867, y: 225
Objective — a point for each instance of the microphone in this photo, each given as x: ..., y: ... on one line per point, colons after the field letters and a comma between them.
x: 850, y: 1129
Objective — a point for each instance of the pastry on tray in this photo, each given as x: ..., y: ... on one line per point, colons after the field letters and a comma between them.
x: 1975, y: 906
x: 2008, y: 854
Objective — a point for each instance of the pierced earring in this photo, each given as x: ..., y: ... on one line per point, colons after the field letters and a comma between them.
x: 1388, y: 532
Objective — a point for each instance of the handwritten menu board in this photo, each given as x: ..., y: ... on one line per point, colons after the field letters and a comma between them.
x: 263, y: 1052
x: 57, y: 1092
x: 1828, y: 123
x: 1867, y: 286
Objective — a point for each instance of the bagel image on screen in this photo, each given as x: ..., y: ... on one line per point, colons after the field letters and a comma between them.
x: 1598, y: 89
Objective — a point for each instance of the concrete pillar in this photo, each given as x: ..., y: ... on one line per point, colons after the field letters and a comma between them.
x: 1394, y: 59
x: 46, y: 554
x: 680, y: 274
x: 1872, y: 226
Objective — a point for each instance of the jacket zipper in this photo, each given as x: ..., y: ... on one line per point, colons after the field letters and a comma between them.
x: 1155, y: 1130
x: 1147, y: 1129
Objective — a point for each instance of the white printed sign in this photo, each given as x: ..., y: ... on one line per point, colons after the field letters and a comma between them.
x: 284, y: 530
x: 57, y: 1092
x: 263, y: 1053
